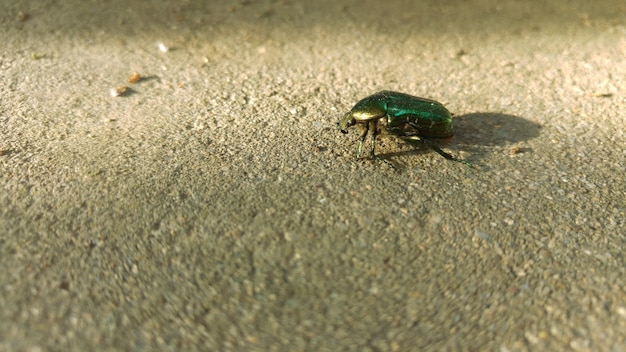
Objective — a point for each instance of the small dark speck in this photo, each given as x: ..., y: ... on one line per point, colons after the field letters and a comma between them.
x: 318, y: 148
x: 22, y: 16
x: 64, y: 285
x: 267, y: 14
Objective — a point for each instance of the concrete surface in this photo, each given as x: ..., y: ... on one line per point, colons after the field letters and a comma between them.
x: 216, y: 207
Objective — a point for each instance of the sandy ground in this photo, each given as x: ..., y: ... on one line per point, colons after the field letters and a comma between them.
x: 215, y: 206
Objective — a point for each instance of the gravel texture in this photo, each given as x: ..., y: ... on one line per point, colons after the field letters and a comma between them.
x: 215, y: 206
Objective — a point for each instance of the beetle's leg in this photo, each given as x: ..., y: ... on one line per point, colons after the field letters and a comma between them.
x: 438, y: 150
x: 446, y: 155
x: 362, y: 139
x: 373, y: 125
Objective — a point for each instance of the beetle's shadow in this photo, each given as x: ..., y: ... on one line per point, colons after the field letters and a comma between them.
x: 493, y: 129
x: 472, y: 131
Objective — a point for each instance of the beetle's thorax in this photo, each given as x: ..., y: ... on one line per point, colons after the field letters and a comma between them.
x: 362, y: 116
x: 366, y: 110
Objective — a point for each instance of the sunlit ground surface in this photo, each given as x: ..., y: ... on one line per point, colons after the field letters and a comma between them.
x: 215, y: 206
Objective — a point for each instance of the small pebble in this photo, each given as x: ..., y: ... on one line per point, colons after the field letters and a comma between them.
x: 162, y: 47
x: 116, y: 92
x: 134, y: 78
x: 516, y: 150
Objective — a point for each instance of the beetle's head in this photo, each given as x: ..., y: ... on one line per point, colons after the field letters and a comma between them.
x: 347, y: 121
x: 363, y: 112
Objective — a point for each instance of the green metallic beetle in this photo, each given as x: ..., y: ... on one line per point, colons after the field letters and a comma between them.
x: 411, y: 118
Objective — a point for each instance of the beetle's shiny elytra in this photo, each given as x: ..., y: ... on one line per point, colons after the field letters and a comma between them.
x: 411, y: 118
